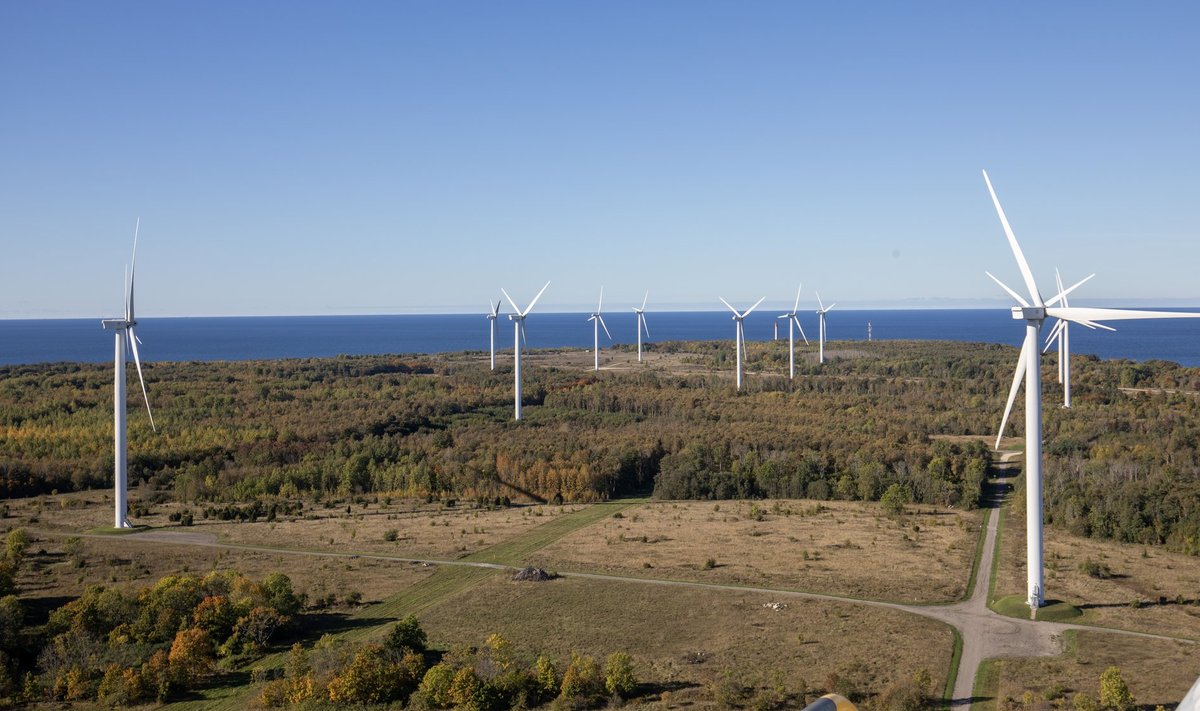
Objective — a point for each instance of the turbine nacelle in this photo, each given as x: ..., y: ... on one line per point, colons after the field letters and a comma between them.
x: 1029, y: 313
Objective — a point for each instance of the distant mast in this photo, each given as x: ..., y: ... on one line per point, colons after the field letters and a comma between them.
x: 868, y: 331
x: 777, y: 330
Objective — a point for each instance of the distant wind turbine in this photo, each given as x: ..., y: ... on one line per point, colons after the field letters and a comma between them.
x: 821, y: 329
x: 491, y: 317
x: 126, y: 339
x: 1034, y: 312
x: 793, y: 322
x: 518, y: 319
x: 641, y: 324
x: 598, y: 321
x: 740, y: 344
x: 1062, y: 333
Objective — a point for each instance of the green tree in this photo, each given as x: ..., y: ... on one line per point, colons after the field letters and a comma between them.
x: 618, y: 674
x: 406, y: 634
x: 548, y: 683
x: 894, y: 499
x: 435, y: 686
x: 1114, y: 693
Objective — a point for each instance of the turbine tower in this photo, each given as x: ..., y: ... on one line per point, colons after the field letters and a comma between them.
x: 1034, y: 312
x: 793, y: 322
x: 740, y: 343
x: 1062, y: 333
x: 821, y: 329
x: 598, y: 321
x: 125, y: 339
x: 518, y: 320
x: 491, y: 317
x: 641, y: 324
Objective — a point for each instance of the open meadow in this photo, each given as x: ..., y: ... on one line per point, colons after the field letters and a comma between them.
x: 835, y: 548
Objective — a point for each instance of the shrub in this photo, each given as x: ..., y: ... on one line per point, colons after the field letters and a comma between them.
x: 406, y: 634
x: 618, y: 674
x: 391, y: 534
x: 1095, y: 569
x: 1114, y: 693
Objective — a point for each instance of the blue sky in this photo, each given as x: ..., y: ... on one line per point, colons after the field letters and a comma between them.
x: 392, y: 157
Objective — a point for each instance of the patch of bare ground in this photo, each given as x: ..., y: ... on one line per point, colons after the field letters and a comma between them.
x: 1157, y: 671
x: 1140, y: 588
x: 836, y: 548
x: 684, y: 639
x: 59, y: 569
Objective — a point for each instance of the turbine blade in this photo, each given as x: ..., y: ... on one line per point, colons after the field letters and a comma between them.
x: 524, y: 340
x: 1054, y: 334
x: 830, y: 307
x: 1062, y: 293
x: 1026, y: 272
x: 819, y: 301
x: 137, y: 361
x: 1018, y: 378
x: 510, y: 300
x: 1020, y: 300
x: 642, y: 318
x: 535, y: 300
x: 600, y: 306
x: 735, y: 311
x: 129, y: 313
x: 801, y: 329
x: 755, y: 306
x: 1083, y: 313
x: 604, y: 326
x: 644, y: 300
x: 797, y: 304
x: 126, y: 285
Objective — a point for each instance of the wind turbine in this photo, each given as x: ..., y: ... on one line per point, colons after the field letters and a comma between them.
x: 740, y: 345
x: 491, y: 317
x: 518, y: 320
x: 641, y: 324
x: 125, y: 338
x: 1062, y: 333
x: 1034, y: 312
x: 793, y: 321
x: 821, y: 330
x: 598, y: 321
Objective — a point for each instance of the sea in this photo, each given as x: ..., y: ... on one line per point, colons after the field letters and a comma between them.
x: 278, y: 337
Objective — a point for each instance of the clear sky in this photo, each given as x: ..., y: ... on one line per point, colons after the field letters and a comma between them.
x: 391, y: 157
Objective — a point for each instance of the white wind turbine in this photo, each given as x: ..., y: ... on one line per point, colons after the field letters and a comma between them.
x: 793, y: 322
x: 741, y: 335
x: 1062, y: 333
x: 1034, y: 312
x: 126, y: 339
x: 641, y: 324
x: 491, y: 317
x: 821, y: 327
x: 518, y: 320
x: 598, y: 321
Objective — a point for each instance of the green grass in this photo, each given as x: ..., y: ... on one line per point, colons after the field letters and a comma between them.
x: 952, y: 675
x: 515, y: 550
x: 987, y: 677
x: 983, y: 527
x: 1052, y: 611
x: 111, y: 531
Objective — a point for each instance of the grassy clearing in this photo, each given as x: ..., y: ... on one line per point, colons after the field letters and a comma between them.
x: 683, y: 639
x: 1140, y: 588
x: 1052, y: 611
x: 1157, y: 671
x: 447, y: 581
x: 828, y: 547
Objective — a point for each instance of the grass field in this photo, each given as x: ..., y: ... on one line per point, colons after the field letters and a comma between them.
x: 1157, y: 672
x: 1148, y: 589
x: 828, y: 547
x: 710, y: 632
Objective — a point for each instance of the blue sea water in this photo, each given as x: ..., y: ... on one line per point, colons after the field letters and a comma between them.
x: 274, y: 337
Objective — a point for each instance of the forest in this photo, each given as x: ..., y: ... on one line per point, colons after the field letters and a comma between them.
x: 1121, y: 464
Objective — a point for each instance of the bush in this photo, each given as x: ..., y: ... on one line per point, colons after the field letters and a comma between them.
x: 618, y: 674
x: 406, y: 635
x: 1095, y: 569
x: 391, y: 534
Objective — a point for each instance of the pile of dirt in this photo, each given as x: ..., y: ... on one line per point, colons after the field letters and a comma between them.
x: 533, y: 575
